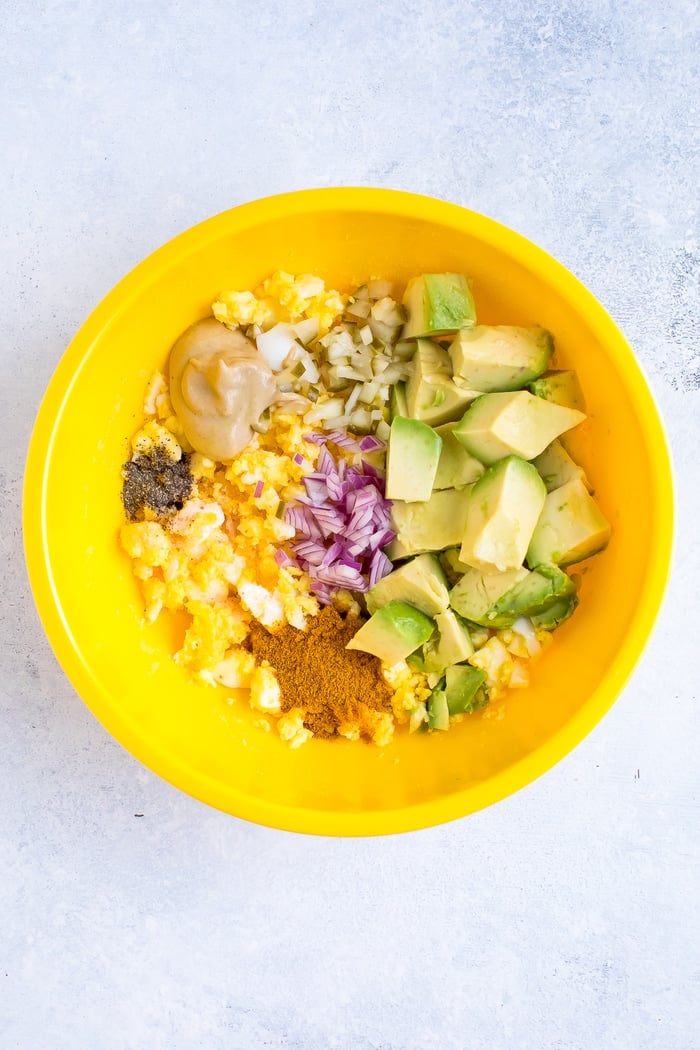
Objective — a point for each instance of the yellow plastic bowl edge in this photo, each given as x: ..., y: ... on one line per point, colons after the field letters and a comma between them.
x: 312, y: 821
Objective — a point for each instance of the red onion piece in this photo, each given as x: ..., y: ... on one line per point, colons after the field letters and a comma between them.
x: 283, y: 559
x: 341, y: 521
x: 379, y: 567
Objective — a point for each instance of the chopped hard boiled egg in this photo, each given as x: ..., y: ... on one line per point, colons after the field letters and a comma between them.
x: 281, y: 297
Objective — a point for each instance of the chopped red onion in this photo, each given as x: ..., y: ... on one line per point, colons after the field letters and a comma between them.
x: 283, y: 559
x: 316, y: 490
x: 298, y: 458
x: 342, y: 520
x: 303, y: 522
x: 259, y: 490
x: 369, y: 443
x: 381, y: 539
x: 340, y: 575
x: 379, y: 567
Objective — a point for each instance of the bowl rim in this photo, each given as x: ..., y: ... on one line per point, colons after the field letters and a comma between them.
x: 195, y: 782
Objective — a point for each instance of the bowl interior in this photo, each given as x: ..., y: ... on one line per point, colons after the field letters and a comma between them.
x: 90, y: 603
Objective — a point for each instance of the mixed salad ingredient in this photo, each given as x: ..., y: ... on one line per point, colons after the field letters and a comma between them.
x: 362, y: 503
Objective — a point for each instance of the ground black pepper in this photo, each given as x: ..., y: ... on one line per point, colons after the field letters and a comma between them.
x: 155, y: 482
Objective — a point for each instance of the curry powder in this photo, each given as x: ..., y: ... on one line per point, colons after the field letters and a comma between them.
x: 315, y: 670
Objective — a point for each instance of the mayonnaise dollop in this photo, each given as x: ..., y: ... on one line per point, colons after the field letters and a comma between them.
x: 219, y: 385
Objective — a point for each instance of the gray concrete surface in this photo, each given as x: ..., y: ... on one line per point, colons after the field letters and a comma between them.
x: 566, y: 917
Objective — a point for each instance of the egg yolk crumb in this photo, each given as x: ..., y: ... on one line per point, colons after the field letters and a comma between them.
x: 281, y: 297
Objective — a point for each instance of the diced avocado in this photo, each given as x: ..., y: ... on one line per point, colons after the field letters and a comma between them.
x: 412, y: 457
x: 476, y: 593
x: 500, y: 357
x: 437, y: 304
x: 555, y: 613
x: 431, y: 393
x: 571, y: 527
x: 464, y: 690
x: 562, y: 388
x: 415, y: 660
x: 502, y: 512
x: 438, y: 711
x: 515, y: 423
x: 398, y: 401
x: 429, y: 526
x: 453, y: 644
x: 542, y: 588
x: 451, y: 564
x: 436, y: 399
x: 555, y: 466
x: 455, y: 466
x: 420, y: 582
x: 429, y: 359
x: 393, y: 632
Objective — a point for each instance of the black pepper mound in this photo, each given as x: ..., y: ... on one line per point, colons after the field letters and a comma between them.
x: 155, y: 482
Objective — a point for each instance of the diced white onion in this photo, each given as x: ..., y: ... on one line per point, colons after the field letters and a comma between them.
x: 276, y: 343
x: 368, y: 392
x: 379, y: 288
x: 361, y: 419
x: 328, y: 410
x: 392, y: 374
x: 307, y: 329
x: 358, y: 311
x: 336, y: 422
x: 352, y: 397
x: 311, y: 373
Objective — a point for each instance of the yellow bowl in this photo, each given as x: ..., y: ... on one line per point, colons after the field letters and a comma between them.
x: 90, y: 604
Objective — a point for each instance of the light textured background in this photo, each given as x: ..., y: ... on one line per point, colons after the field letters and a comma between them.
x: 566, y: 917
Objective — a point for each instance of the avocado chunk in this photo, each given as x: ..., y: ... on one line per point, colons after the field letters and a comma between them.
x: 431, y: 393
x: 429, y: 359
x: 515, y: 423
x: 437, y: 304
x: 571, y: 527
x: 454, y: 568
x: 431, y: 526
x: 555, y: 466
x: 500, y: 357
x: 464, y: 689
x: 456, y: 467
x: 393, y: 632
x: 502, y: 512
x: 561, y: 388
x: 438, y: 711
x: 415, y: 660
x: 476, y: 593
x: 452, y: 646
x: 398, y: 401
x: 413, y: 454
x: 420, y: 582
x: 554, y: 614
x: 537, y: 592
